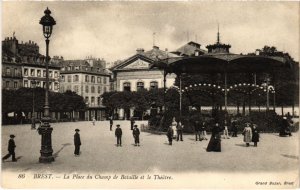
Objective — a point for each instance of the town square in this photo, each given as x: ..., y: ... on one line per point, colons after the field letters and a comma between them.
x: 150, y: 95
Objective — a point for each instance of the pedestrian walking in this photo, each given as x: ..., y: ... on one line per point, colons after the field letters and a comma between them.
x: 131, y: 123
x: 111, y: 122
x: 136, y: 135
x: 77, y: 142
x: 170, y: 133
x: 197, y: 129
x: 255, y: 135
x: 225, y: 132
x: 118, y: 134
x: 174, y: 127
x: 214, y: 144
x: 11, y: 149
x: 203, y: 131
x: 234, y: 128
x: 247, y: 132
x: 285, y: 128
x: 94, y: 121
x: 179, y: 131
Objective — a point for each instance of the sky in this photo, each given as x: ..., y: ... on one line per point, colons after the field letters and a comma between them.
x: 114, y: 30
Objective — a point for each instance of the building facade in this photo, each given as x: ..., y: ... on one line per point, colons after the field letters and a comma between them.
x: 88, y: 79
x: 22, y: 63
x: 135, y: 73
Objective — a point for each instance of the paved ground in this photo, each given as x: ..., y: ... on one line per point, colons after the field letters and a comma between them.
x: 100, y: 154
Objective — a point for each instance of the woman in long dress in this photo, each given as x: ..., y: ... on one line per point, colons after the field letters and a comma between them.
x: 215, y: 140
x: 174, y: 127
x: 247, y: 134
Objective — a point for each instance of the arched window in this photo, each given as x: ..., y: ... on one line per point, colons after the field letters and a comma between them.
x: 126, y: 86
x: 153, y: 85
x: 139, y: 85
x: 93, y: 89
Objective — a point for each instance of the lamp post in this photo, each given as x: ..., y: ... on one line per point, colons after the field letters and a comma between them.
x: 45, y: 130
x: 267, y: 89
x: 33, y: 85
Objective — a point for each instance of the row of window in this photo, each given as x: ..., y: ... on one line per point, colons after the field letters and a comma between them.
x: 38, y: 73
x: 77, y: 68
x: 28, y: 84
x: 8, y: 71
x: 8, y: 84
x: 139, y: 85
x: 87, y: 79
x: 93, y: 103
x: 87, y: 89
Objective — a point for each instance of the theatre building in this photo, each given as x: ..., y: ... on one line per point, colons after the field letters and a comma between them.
x: 134, y: 73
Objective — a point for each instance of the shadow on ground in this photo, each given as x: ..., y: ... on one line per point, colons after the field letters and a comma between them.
x: 55, y: 155
x: 290, y: 156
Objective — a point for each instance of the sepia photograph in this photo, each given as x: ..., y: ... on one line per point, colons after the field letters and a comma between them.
x: 150, y: 94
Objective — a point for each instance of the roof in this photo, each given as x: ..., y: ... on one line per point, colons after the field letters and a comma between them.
x: 222, y: 62
x: 83, y: 63
x: 189, y: 49
x: 75, y: 63
x: 149, y: 56
x: 155, y: 53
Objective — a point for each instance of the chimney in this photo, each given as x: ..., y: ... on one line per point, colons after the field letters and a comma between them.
x: 140, y: 50
x: 156, y: 47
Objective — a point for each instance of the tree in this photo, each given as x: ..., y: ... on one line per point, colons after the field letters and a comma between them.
x: 20, y: 100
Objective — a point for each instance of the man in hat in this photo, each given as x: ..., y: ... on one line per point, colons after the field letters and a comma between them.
x: 118, y: 134
x: 77, y: 142
x: 197, y: 129
x: 111, y: 122
x: 132, y: 123
x: 11, y: 149
x: 136, y: 135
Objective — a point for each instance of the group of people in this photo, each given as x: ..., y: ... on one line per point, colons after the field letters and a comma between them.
x: 200, y: 130
x: 175, y: 131
x: 135, y: 133
x: 251, y: 134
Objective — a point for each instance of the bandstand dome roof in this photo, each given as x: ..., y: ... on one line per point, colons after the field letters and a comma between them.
x: 222, y: 62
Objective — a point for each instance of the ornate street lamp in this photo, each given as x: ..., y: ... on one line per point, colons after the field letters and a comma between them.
x: 267, y: 88
x: 45, y: 130
x: 33, y: 85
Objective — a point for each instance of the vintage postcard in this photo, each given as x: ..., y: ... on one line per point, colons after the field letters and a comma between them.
x: 150, y: 94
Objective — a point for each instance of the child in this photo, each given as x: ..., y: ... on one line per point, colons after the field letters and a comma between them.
x: 94, y: 121
x: 255, y: 135
x: 170, y: 133
x: 179, y: 131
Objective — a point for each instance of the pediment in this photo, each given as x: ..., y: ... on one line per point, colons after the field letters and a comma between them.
x: 137, y: 64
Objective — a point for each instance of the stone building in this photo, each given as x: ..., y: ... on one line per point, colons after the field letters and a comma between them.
x: 22, y: 63
x: 134, y: 73
x: 89, y: 79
